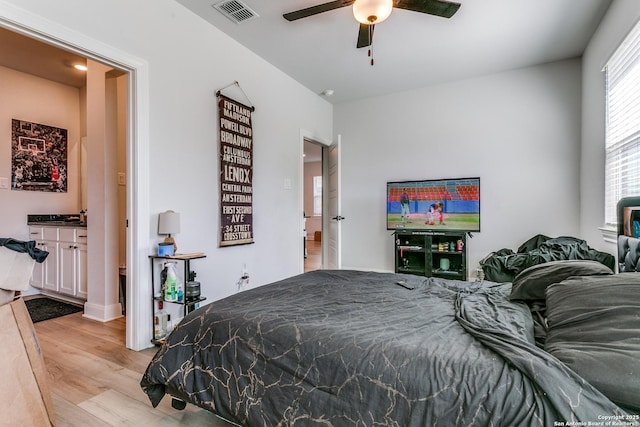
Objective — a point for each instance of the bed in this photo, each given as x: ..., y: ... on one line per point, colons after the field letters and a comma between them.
x: 353, y: 348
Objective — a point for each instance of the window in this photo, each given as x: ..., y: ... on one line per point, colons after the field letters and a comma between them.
x: 622, y: 137
x: 317, y: 195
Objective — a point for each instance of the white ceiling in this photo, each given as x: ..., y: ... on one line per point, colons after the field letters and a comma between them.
x: 411, y: 49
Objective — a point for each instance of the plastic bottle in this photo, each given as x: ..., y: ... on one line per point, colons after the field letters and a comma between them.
x: 160, y: 323
x: 171, y: 284
x: 180, y: 293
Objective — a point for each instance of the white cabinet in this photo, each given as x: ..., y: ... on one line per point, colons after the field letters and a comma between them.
x: 68, y: 268
x: 81, y: 271
x: 51, y: 265
x: 65, y: 269
x: 73, y: 262
x: 45, y: 275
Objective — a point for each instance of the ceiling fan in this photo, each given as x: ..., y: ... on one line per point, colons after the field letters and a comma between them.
x: 371, y: 12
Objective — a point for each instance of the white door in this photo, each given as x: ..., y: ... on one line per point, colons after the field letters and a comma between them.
x: 333, y: 258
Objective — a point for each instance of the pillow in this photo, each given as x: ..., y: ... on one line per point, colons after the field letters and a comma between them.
x: 594, y: 329
x: 531, y: 283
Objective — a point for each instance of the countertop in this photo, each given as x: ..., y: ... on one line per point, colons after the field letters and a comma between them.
x: 55, y: 220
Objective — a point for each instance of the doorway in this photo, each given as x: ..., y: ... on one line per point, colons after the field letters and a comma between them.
x: 119, y: 90
x: 313, y: 205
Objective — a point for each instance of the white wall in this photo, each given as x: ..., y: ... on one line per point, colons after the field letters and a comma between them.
x: 618, y: 21
x: 188, y: 60
x: 30, y: 98
x: 518, y: 131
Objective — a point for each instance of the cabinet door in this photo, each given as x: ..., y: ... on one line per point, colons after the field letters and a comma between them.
x: 68, y: 268
x: 81, y: 271
x: 50, y: 266
x: 38, y: 275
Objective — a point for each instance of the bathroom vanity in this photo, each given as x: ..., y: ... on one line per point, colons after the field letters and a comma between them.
x: 65, y: 269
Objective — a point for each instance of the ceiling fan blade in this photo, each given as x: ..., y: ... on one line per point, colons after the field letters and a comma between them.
x: 314, y: 10
x: 445, y: 9
x: 365, y: 35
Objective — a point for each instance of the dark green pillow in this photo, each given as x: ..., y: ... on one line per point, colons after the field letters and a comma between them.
x: 531, y: 283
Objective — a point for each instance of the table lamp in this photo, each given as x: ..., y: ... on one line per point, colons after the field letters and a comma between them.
x: 169, y: 223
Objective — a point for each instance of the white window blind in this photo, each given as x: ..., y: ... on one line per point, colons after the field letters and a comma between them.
x: 622, y: 139
x: 317, y: 195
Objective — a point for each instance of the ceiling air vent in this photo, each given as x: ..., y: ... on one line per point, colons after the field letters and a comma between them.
x: 236, y: 11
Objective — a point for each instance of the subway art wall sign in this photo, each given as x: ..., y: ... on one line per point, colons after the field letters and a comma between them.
x: 236, y: 173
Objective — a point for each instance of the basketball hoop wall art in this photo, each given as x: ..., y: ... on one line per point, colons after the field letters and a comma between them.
x: 38, y: 157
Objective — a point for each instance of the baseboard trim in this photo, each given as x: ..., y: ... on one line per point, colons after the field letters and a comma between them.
x: 102, y: 313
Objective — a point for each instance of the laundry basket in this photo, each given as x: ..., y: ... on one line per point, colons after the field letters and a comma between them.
x: 17, y: 259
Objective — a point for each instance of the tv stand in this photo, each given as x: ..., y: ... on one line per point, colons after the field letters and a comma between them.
x: 431, y: 253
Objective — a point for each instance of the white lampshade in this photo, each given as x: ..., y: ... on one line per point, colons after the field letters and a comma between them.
x: 169, y: 223
x: 372, y: 11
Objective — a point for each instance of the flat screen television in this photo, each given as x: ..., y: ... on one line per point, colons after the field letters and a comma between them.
x: 435, y: 205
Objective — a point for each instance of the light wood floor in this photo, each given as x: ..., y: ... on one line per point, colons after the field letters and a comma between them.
x: 313, y: 261
x: 95, y: 380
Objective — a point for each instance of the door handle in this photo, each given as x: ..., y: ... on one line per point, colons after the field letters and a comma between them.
x: 338, y: 218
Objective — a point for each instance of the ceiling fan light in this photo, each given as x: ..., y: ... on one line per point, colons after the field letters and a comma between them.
x: 372, y: 11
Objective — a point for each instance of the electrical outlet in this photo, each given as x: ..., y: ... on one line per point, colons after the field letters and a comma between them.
x: 243, y: 281
x: 4, y: 183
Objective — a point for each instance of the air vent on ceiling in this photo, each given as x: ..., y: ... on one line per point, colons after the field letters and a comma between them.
x: 235, y: 10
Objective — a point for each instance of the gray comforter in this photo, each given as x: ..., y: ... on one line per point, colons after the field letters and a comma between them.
x: 347, y: 348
